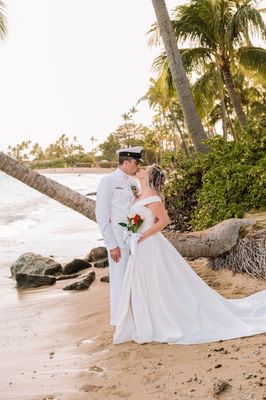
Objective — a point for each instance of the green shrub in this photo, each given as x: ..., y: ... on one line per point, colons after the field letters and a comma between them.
x: 225, y: 183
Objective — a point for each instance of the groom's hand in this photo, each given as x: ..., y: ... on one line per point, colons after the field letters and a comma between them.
x: 115, y: 254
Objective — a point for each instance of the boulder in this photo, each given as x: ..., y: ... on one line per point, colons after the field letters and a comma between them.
x: 83, y: 284
x: 101, y: 263
x: 63, y: 277
x: 105, y: 278
x: 31, y: 263
x: 75, y: 266
x: 33, y: 281
x: 98, y: 253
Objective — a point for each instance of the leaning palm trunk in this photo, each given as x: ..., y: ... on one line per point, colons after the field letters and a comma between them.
x: 49, y: 187
x: 235, y: 100
x: 181, y: 83
x: 208, y: 243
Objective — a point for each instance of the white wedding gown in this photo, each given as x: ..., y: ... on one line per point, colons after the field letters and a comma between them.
x: 164, y: 300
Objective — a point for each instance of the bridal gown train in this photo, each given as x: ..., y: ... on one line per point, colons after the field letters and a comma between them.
x: 164, y: 300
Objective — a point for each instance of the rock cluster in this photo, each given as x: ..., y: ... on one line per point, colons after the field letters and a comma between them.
x: 33, y: 270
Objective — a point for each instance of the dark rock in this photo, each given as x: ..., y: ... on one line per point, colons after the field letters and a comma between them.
x: 105, y: 278
x: 101, y: 263
x: 98, y: 253
x: 35, y: 264
x: 218, y: 366
x: 75, y: 266
x: 63, y: 277
x: 33, y: 281
x: 219, y: 349
x: 83, y: 284
x: 220, y: 386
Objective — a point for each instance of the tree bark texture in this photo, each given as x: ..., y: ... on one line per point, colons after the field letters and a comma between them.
x: 234, y: 97
x: 64, y: 195
x: 181, y: 82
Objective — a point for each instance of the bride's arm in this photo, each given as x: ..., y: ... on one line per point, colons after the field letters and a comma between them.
x: 162, y: 219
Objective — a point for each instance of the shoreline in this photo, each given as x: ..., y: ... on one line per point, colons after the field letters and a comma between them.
x: 75, y: 170
x: 58, y: 345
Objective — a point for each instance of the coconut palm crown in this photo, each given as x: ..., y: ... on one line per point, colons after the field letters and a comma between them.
x: 219, y: 32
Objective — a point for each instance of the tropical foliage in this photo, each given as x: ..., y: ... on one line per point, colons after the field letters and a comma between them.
x: 64, y: 152
x: 220, y: 53
x: 180, y: 79
x: 223, y: 184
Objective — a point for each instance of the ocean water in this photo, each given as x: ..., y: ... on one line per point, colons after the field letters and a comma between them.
x: 31, y: 221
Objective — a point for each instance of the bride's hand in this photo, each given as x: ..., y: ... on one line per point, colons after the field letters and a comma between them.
x: 142, y: 237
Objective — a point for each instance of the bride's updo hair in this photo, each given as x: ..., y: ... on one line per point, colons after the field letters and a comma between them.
x: 156, y: 178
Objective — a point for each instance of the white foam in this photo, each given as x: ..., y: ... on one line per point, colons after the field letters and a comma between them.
x: 15, y: 228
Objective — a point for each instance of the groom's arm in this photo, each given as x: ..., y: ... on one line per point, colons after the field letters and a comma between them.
x: 103, y: 206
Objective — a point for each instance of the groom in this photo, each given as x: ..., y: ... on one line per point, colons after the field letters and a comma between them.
x: 115, y: 194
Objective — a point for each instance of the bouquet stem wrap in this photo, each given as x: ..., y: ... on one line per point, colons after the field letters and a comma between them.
x: 132, y: 238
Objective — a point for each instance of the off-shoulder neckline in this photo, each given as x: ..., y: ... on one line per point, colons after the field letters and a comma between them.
x: 145, y: 198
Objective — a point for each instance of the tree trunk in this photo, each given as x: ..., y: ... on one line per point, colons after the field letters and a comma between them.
x: 233, y: 133
x: 235, y: 100
x: 181, y: 82
x: 208, y: 243
x: 224, y: 124
x: 49, y: 187
x: 179, y: 131
x: 211, y: 242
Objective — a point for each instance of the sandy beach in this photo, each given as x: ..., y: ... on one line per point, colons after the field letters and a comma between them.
x: 57, y: 345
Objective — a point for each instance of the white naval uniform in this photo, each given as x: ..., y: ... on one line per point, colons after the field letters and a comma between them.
x: 114, y: 198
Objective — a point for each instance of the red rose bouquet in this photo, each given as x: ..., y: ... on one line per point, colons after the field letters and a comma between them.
x: 131, y: 235
x: 134, y: 223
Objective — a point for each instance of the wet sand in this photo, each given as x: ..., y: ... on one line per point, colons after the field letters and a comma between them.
x: 58, y: 345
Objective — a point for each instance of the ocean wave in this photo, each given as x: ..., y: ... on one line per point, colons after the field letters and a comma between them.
x: 16, y: 227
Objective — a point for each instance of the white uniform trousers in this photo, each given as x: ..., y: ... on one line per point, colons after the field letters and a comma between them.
x: 116, y: 277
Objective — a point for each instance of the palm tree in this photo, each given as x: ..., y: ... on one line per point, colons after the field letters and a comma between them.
x: 49, y: 187
x: 179, y: 77
x: 220, y: 33
x: 3, y: 21
x: 161, y: 96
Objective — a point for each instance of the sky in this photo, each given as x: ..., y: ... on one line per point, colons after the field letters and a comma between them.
x: 74, y: 67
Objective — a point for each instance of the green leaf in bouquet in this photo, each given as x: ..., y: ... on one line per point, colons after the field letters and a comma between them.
x: 122, y: 224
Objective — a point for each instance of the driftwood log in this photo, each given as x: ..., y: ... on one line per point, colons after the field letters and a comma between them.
x: 212, y: 242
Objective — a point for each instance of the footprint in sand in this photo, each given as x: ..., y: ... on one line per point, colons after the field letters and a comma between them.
x: 124, y: 355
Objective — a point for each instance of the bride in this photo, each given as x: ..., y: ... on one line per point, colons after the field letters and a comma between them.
x: 163, y: 299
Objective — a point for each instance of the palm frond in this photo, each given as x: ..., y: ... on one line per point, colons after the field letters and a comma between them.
x: 192, y: 58
x: 190, y: 23
x: 215, y: 114
x: 253, y: 60
x: 160, y: 63
x: 207, y: 89
x: 3, y: 20
x: 246, y: 21
x: 154, y: 35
